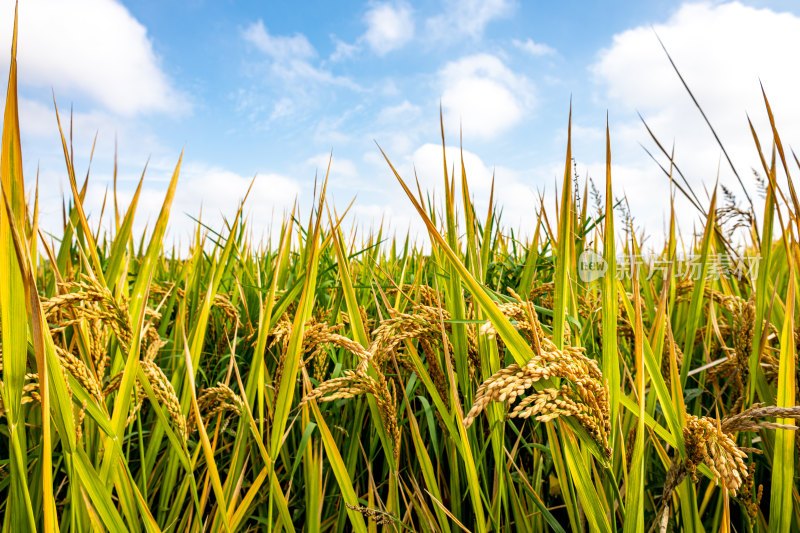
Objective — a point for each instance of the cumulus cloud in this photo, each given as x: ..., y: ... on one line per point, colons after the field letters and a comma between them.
x: 38, y: 120
x: 95, y: 48
x: 220, y: 191
x: 427, y: 160
x: 467, y: 17
x: 484, y: 94
x: 533, y: 48
x: 515, y: 194
x: 722, y: 50
x: 389, y: 26
x: 90, y: 129
x: 210, y: 192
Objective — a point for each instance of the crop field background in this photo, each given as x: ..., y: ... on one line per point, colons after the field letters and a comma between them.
x: 336, y: 381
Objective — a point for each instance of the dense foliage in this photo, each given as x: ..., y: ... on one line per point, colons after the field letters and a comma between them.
x: 348, y: 383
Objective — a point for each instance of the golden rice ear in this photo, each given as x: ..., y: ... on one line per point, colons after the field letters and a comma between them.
x: 219, y: 400
x: 583, y: 396
x: 165, y: 392
x: 752, y: 419
x: 80, y: 372
x: 708, y: 444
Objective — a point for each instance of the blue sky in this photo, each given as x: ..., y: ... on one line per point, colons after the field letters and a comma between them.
x: 269, y: 89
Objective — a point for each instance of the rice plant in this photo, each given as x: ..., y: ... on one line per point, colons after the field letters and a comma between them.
x: 355, y: 382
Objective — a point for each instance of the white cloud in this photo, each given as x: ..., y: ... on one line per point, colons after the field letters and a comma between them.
x: 282, y: 108
x: 343, y: 50
x: 290, y: 57
x: 42, y: 149
x: 513, y: 194
x: 388, y: 87
x: 339, y: 166
x: 533, y: 48
x: 280, y: 48
x: 220, y: 191
x: 403, y: 112
x: 327, y: 131
x: 207, y: 192
x: 400, y: 128
x: 39, y: 120
x: 92, y: 47
x: 335, y: 130
x: 485, y: 95
x: 722, y: 50
x: 389, y: 27
x: 394, y: 141
x: 707, y: 45
x: 467, y: 17
x: 427, y: 160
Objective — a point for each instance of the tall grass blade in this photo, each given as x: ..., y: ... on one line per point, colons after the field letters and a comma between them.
x: 19, y: 511
x: 783, y: 460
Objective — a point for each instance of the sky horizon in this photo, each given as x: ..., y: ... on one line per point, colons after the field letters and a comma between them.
x: 272, y: 90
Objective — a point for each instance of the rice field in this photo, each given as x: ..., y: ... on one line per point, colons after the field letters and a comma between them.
x: 334, y: 381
